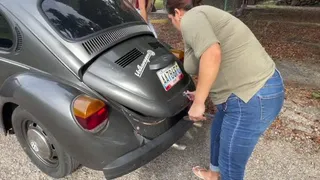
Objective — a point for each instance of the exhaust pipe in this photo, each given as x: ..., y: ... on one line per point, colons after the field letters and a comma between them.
x: 179, y: 147
x: 188, y: 135
x: 182, y: 147
x: 198, y: 124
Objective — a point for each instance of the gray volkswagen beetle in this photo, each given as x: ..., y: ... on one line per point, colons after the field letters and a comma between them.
x: 85, y: 82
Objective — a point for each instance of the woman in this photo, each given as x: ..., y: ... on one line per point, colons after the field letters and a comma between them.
x: 144, y: 7
x: 238, y: 75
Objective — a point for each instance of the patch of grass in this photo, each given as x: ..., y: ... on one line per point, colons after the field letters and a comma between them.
x: 268, y: 2
x: 316, y: 94
x: 5, y: 35
x: 159, y: 21
x: 158, y: 4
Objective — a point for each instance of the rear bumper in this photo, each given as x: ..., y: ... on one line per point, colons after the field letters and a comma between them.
x: 141, y: 156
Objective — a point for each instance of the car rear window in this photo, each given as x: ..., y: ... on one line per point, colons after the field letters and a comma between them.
x: 79, y: 18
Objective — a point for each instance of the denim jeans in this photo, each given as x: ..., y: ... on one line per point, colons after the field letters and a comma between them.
x: 237, y: 127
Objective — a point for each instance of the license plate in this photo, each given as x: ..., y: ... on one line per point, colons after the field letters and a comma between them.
x: 170, y: 76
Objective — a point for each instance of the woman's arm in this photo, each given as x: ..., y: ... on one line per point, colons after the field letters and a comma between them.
x: 143, y: 10
x: 208, y: 70
x: 198, y: 33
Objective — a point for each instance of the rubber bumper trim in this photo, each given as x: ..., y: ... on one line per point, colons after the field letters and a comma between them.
x: 143, y: 155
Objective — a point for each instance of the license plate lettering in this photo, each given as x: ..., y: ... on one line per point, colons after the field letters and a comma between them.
x: 170, y: 76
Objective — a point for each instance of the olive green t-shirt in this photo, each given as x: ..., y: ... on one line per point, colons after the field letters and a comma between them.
x: 245, y: 65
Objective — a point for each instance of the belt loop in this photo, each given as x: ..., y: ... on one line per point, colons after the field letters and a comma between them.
x: 279, y: 74
x: 225, y: 106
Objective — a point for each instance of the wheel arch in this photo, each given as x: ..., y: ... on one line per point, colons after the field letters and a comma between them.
x: 6, y: 116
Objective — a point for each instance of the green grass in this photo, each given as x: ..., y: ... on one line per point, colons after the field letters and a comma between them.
x: 316, y: 95
x: 5, y: 34
x: 158, y: 4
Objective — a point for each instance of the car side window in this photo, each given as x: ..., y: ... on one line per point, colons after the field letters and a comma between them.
x: 6, y: 35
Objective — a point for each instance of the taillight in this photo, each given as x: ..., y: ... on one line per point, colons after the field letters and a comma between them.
x: 178, y: 53
x: 90, y: 113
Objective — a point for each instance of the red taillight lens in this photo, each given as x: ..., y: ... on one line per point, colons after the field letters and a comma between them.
x: 90, y: 112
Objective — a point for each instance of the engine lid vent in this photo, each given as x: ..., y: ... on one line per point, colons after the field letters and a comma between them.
x: 97, y: 44
x: 129, y: 58
x: 155, y: 45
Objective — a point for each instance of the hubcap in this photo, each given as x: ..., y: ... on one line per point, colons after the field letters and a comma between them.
x: 40, y: 144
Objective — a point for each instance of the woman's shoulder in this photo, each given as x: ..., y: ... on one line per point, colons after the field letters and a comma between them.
x: 207, y: 11
x: 206, y: 7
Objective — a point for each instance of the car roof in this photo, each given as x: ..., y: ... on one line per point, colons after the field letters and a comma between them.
x: 74, y: 54
x: 28, y: 14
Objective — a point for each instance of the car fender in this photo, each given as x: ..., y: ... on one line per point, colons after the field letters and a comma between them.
x: 49, y: 99
x: 37, y: 93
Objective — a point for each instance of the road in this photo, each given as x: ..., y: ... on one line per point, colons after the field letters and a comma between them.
x: 303, y: 73
x: 272, y: 159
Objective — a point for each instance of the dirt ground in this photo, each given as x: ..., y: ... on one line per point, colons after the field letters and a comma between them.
x: 287, y: 34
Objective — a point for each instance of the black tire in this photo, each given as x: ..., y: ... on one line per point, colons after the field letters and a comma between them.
x: 62, y: 163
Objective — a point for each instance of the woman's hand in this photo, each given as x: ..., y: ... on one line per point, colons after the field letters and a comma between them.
x: 191, y: 95
x: 196, y: 111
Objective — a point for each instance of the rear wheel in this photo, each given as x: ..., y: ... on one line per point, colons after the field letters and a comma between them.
x: 41, y: 147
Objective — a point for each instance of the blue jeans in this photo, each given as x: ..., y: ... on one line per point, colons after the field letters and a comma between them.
x: 237, y: 127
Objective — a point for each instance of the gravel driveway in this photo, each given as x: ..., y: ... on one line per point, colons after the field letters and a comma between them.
x: 272, y: 159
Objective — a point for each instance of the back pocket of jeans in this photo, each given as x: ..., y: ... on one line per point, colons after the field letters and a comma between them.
x: 271, y: 91
x: 271, y: 105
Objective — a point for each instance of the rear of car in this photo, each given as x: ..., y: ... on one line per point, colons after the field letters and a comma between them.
x: 131, y: 68
x: 135, y: 105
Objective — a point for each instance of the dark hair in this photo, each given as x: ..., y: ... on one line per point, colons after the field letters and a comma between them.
x: 180, y: 4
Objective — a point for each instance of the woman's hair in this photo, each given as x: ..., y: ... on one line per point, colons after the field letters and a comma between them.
x: 180, y: 4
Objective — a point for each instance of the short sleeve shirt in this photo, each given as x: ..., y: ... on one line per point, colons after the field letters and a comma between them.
x: 245, y: 65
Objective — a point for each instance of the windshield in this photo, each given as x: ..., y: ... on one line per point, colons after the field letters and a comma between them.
x: 78, y: 18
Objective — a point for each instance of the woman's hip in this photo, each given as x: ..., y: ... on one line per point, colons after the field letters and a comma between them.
x: 271, y: 97
x: 274, y: 87
x: 264, y: 106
